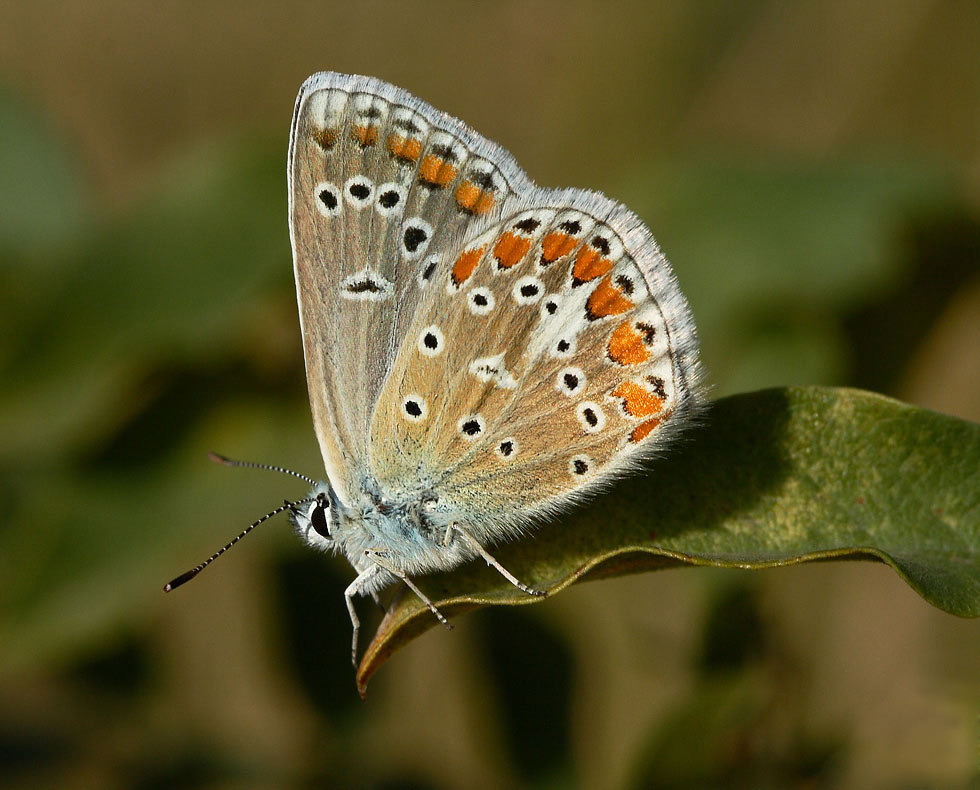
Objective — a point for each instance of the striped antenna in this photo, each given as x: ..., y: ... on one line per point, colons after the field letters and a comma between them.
x: 186, y: 577
x: 220, y: 459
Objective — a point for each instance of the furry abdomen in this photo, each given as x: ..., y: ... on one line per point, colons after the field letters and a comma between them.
x: 408, y: 532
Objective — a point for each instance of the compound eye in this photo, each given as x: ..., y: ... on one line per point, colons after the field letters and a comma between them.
x: 318, y: 517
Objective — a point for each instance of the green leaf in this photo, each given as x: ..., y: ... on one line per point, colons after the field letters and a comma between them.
x: 770, y: 478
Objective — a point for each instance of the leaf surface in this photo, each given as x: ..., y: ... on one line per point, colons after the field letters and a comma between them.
x: 770, y: 478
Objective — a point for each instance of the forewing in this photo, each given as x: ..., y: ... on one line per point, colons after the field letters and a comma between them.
x: 552, y: 352
x: 382, y: 189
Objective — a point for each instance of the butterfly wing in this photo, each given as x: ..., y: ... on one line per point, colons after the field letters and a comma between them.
x: 550, y: 353
x: 382, y: 188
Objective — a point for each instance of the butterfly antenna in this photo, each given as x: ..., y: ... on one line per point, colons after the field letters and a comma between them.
x: 220, y: 459
x: 186, y: 577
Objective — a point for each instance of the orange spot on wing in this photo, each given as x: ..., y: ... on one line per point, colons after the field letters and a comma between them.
x: 365, y: 135
x: 436, y: 171
x: 325, y: 138
x: 637, y: 401
x: 589, y: 264
x: 641, y: 431
x: 408, y: 149
x: 511, y: 249
x: 626, y: 346
x: 465, y: 264
x: 556, y: 244
x: 473, y: 199
x: 606, y: 300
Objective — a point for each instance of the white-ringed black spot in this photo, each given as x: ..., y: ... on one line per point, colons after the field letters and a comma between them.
x: 591, y: 416
x: 579, y: 465
x: 366, y: 284
x: 390, y: 198
x: 431, y: 341
x: 527, y: 290
x: 507, y: 449
x: 359, y: 191
x: 570, y: 381
x: 549, y: 306
x: 480, y: 301
x: 327, y: 199
x: 564, y: 347
x: 414, y: 408
x: 471, y: 426
x: 414, y: 237
x: 571, y: 227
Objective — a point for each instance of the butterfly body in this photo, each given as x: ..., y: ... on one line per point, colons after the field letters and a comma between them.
x: 481, y: 352
x: 409, y: 531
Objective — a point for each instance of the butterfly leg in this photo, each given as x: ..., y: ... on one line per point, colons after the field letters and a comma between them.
x: 352, y: 590
x: 492, y: 562
x: 379, y: 557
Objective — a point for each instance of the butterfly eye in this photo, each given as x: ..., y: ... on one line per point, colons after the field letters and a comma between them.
x: 318, y: 516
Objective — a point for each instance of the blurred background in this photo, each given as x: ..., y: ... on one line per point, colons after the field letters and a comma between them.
x: 813, y: 171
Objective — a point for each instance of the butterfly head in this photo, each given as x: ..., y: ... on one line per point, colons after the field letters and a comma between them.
x: 316, y: 521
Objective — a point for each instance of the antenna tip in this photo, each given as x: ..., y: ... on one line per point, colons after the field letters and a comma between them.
x: 219, y: 459
x: 182, y: 579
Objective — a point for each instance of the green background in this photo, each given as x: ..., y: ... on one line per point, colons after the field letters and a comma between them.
x: 813, y: 171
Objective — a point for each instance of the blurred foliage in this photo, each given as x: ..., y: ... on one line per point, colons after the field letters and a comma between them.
x: 810, y: 168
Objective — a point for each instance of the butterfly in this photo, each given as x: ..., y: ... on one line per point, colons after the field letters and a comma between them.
x: 481, y: 352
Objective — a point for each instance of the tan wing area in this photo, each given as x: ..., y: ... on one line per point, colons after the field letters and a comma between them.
x: 382, y: 187
x: 538, y: 363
